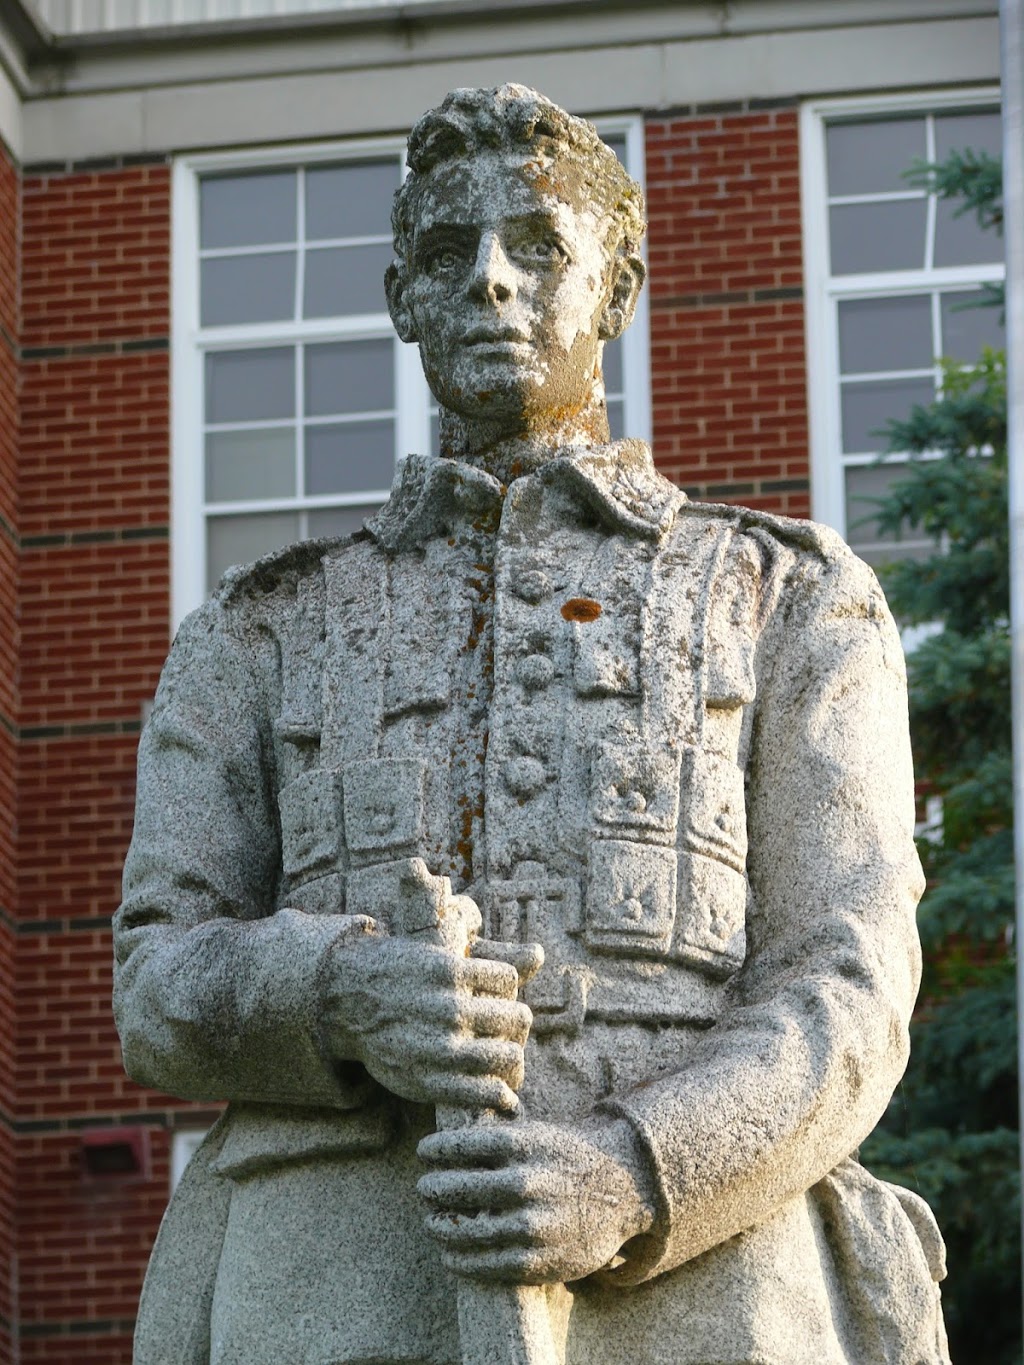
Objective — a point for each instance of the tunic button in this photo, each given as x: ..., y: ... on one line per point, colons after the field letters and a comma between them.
x: 631, y: 910
x: 532, y: 585
x: 535, y: 671
x: 525, y: 776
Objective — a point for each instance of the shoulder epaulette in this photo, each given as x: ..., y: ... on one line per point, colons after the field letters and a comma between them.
x: 279, y: 571
x: 797, y: 535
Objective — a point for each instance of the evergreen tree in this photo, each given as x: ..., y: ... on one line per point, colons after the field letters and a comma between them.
x: 951, y: 1130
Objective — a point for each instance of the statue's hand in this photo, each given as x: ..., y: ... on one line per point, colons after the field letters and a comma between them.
x: 430, y: 1025
x: 534, y: 1203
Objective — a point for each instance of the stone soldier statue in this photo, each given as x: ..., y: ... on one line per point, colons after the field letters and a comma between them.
x: 661, y: 745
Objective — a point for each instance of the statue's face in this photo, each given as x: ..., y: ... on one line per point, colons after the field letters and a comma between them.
x: 505, y: 288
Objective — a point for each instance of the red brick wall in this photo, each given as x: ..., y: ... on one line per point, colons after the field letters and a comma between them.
x: 94, y: 605
x: 9, y: 214
x: 727, y: 334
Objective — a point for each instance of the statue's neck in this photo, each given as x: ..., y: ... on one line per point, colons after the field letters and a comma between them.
x: 508, y: 452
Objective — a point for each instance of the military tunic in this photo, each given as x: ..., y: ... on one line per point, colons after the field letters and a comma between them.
x: 666, y: 741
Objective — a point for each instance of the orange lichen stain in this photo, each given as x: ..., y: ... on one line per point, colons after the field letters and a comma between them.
x: 464, y: 845
x: 581, y: 609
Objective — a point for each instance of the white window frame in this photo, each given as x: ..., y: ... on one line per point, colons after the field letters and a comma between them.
x: 189, y: 343
x: 822, y: 290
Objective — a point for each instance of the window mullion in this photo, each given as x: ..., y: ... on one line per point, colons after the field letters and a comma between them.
x: 929, y: 241
x: 300, y: 423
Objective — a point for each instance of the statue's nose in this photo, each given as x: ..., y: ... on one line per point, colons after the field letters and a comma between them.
x: 493, y: 275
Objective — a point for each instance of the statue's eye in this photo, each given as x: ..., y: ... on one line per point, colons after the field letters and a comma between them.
x: 547, y: 249
x: 445, y: 258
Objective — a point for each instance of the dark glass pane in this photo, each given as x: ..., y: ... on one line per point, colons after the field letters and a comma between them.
x: 345, y: 279
x: 239, y: 289
x: 617, y: 142
x: 612, y: 366
x: 250, y: 386
x: 339, y: 521
x: 350, y: 457
x: 978, y: 132
x: 870, y: 157
x: 886, y: 334
x: 868, y: 407
x: 353, y: 200
x: 965, y: 330
x: 960, y: 240
x: 884, y: 236
x: 350, y: 376
x: 240, y: 540
x: 247, y: 210
x: 242, y: 466
x: 616, y: 419
x: 865, y: 485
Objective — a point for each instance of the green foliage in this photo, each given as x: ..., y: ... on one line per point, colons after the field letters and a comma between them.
x: 975, y: 179
x: 951, y: 1130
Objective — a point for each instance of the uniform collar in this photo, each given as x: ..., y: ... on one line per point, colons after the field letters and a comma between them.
x: 617, y: 481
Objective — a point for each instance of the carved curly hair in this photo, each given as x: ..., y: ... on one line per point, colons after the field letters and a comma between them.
x: 469, y: 121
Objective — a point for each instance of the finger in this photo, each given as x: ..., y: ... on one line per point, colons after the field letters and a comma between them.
x: 480, y: 1144
x: 469, y: 1058
x: 487, y: 1017
x: 475, y: 1094
x: 486, y: 977
x: 507, y: 1265
x: 484, y: 1016
x: 473, y: 1191
x: 526, y: 958
x: 484, y: 1232
x: 490, y: 1057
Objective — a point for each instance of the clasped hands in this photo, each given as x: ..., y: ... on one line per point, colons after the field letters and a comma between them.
x: 523, y: 1201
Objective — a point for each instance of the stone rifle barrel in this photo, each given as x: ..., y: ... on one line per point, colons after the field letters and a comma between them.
x: 499, y: 1324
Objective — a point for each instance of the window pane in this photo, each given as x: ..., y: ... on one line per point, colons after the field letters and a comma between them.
x: 865, y: 485
x: 961, y: 241
x: 240, y: 540
x: 350, y: 376
x: 957, y: 132
x: 345, y: 279
x: 259, y: 288
x: 617, y: 142
x: 612, y: 366
x: 247, y: 210
x: 616, y: 419
x: 867, y: 408
x: 250, y: 386
x: 245, y: 465
x: 885, y: 236
x: 340, y: 521
x: 966, y: 330
x: 885, y: 334
x: 353, y: 457
x: 870, y: 158
x: 350, y: 201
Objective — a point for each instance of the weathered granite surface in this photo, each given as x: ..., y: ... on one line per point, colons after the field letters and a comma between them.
x: 532, y: 872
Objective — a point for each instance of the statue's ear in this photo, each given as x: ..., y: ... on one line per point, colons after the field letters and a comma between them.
x: 629, y: 275
x: 394, y: 288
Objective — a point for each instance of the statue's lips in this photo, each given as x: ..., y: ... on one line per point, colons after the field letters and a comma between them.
x: 505, y: 341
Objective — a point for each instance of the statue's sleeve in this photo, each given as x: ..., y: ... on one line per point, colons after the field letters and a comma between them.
x: 813, y: 1038
x: 215, y: 995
